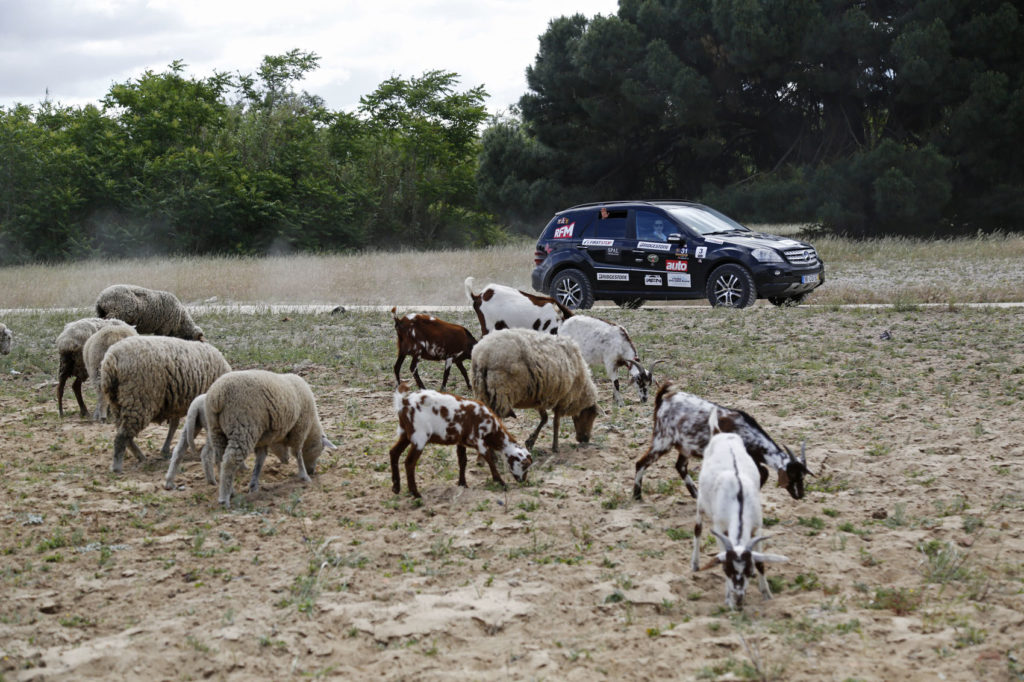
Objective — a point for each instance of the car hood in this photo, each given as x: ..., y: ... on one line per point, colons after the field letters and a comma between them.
x: 756, y: 240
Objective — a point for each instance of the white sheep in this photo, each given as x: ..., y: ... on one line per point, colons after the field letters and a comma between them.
x: 255, y: 409
x: 523, y: 368
x: 70, y: 343
x: 730, y: 497
x: 153, y: 379
x: 606, y: 343
x: 149, y: 310
x: 6, y: 339
x: 95, y: 348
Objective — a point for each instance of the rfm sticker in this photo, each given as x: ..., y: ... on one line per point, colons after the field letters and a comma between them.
x: 565, y: 231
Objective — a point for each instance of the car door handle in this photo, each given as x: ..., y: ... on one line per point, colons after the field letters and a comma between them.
x: 581, y: 246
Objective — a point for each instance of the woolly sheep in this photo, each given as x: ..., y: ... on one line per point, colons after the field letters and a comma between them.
x: 254, y: 409
x: 95, y: 348
x: 151, y: 311
x: 6, y: 337
x: 70, y: 343
x: 154, y: 379
x: 523, y: 368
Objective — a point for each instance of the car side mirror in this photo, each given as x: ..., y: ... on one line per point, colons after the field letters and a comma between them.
x: 675, y: 238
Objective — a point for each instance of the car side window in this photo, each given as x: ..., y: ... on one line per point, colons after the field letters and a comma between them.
x: 651, y: 227
x: 611, y: 227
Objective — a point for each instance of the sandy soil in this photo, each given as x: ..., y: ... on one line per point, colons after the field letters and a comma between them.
x: 906, y: 554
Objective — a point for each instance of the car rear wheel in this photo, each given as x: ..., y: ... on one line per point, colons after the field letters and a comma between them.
x: 787, y: 301
x: 629, y: 303
x: 731, y: 286
x: 572, y: 289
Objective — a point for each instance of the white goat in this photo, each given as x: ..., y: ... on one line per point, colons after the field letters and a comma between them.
x: 729, y: 495
x: 502, y: 307
x: 606, y: 343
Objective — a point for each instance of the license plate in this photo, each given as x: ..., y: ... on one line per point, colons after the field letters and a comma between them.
x: 807, y: 279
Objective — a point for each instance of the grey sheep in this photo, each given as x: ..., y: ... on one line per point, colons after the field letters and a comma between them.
x: 524, y: 368
x: 149, y: 310
x: 154, y: 379
x: 70, y: 343
x: 6, y: 338
x: 255, y: 409
x: 95, y: 348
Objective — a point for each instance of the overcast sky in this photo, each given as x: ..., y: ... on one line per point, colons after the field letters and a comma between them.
x: 73, y: 50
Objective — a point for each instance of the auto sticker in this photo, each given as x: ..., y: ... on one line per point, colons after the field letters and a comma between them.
x: 654, y: 246
x: 700, y: 252
x: 598, y: 242
x: 679, y: 279
x: 675, y: 265
x: 564, y: 232
x: 613, y: 276
x: 652, y: 258
x: 652, y: 280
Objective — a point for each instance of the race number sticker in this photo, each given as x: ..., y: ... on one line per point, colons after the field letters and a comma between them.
x: 700, y: 252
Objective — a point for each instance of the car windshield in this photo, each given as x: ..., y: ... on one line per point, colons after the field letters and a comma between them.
x: 704, y: 220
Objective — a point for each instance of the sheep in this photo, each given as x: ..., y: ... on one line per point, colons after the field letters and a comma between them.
x: 523, y: 368
x: 425, y: 337
x: 729, y: 495
x: 153, y: 379
x: 195, y: 422
x: 255, y: 409
x: 6, y: 339
x: 607, y: 343
x: 151, y: 311
x: 426, y: 417
x: 680, y: 420
x: 95, y: 348
x: 502, y: 307
x: 70, y: 343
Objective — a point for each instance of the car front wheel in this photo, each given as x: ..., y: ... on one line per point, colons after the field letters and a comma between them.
x: 732, y: 286
x: 572, y: 289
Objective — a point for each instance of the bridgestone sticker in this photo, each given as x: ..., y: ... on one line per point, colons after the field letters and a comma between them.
x: 654, y: 246
x: 598, y: 242
x: 678, y: 279
x: 652, y: 280
x: 614, y: 277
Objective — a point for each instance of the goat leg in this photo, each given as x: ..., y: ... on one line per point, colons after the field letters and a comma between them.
x: 396, y: 452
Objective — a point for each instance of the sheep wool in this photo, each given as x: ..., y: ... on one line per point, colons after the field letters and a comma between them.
x: 149, y: 310
x: 70, y: 343
x: 255, y: 409
x: 6, y: 338
x: 95, y: 348
x: 154, y: 379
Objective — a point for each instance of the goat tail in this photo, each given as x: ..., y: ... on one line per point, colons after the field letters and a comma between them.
x: 469, y: 290
x: 401, y: 390
x: 394, y: 313
x: 713, y: 421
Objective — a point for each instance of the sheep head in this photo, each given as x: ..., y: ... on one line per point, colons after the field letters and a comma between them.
x: 584, y: 423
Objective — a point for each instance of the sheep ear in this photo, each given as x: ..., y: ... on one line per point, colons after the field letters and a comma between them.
x: 768, y: 558
x: 327, y: 443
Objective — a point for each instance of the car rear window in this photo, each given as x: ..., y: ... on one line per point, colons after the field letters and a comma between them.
x: 612, y: 227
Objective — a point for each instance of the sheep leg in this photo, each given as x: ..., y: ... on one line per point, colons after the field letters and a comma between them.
x: 234, y: 457
x: 76, y: 386
x: 303, y: 474
x: 554, y: 445
x: 206, y: 456
x: 62, y: 379
x: 410, y: 469
x: 172, y: 468
x: 533, y: 436
x: 447, y: 371
x: 396, y: 452
x: 414, y: 368
x: 460, y: 453
x: 458, y: 363
x: 120, y: 445
x: 652, y: 456
x: 254, y: 482
x: 172, y: 426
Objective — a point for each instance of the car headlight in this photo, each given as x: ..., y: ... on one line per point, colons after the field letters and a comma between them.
x: 767, y: 255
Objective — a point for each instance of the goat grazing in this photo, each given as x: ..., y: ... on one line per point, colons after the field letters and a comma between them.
x: 680, y: 421
x: 424, y: 337
x: 730, y: 498
x: 502, y: 307
x: 606, y: 343
x: 426, y: 417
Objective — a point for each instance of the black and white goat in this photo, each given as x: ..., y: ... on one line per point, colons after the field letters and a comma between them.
x: 425, y: 337
x: 729, y: 497
x: 500, y: 307
x: 681, y: 421
x: 608, y: 344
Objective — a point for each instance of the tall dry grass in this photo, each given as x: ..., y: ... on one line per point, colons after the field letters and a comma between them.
x: 888, y: 270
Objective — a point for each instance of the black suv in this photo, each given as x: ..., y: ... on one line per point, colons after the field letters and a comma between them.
x: 631, y: 251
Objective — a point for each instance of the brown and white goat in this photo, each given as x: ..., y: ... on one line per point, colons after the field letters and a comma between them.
x: 425, y: 337
x: 430, y: 417
x: 681, y: 421
x: 500, y: 307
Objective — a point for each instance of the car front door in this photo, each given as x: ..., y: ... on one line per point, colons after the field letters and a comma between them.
x: 653, y: 255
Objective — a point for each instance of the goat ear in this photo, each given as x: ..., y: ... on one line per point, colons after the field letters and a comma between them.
x: 768, y: 558
x: 719, y: 558
x: 783, y: 478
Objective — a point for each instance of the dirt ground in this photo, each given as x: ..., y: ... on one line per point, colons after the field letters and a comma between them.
x: 905, y: 555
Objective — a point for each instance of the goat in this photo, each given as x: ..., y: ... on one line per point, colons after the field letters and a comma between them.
x: 424, y: 337
x: 427, y: 416
x: 502, y: 307
x: 730, y: 498
x: 607, y: 343
x: 680, y: 421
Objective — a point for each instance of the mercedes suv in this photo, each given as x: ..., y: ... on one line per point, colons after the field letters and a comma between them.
x: 632, y: 251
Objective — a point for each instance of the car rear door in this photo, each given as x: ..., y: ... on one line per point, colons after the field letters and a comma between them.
x: 605, y: 240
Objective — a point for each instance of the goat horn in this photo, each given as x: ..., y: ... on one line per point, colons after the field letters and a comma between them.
x: 724, y: 539
x: 655, y: 364
x: 753, y: 543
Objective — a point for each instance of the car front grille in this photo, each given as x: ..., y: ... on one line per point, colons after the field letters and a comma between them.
x: 805, y: 258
